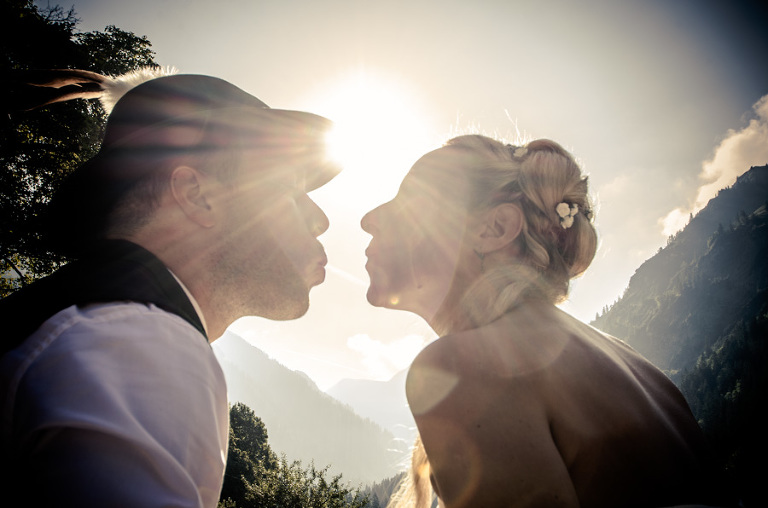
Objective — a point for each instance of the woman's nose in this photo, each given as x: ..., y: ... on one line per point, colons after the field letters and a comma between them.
x: 369, y: 221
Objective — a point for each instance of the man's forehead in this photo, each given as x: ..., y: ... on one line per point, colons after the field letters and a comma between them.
x: 267, y: 165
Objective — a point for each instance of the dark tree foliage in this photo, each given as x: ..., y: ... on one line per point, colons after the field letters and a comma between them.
x: 39, y: 148
x: 726, y: 390
x: 292, y: 486
x: 126, y: 50
x: 255, y: 477
x: 249, y: 454
x: 727, y: 387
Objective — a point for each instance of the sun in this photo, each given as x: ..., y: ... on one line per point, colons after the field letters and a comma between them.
x: 380, y: 129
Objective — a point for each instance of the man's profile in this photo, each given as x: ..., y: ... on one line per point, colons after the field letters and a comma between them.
x: 194, y: 213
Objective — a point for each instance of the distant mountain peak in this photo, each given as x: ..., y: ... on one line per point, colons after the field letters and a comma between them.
x: 383, y: 402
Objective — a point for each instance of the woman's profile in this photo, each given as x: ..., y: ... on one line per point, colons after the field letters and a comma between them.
x: 518, y: 403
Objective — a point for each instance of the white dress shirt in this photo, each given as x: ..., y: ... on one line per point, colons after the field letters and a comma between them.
x: 119, y: 405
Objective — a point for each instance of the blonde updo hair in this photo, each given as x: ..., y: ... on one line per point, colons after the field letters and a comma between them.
x: 537, y: 177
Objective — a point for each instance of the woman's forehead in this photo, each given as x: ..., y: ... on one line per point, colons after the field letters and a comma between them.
x: 444, y: 166
x: 439, y: 175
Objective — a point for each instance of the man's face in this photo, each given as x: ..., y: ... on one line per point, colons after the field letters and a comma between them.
x: 272, y: 256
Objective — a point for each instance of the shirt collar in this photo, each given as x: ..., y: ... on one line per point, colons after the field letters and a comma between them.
x: 192, y: 300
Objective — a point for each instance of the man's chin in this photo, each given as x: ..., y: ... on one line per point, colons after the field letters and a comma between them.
x: 288, y: 310
x: 298, y: 311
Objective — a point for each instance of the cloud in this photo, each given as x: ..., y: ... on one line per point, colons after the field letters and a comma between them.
x: 739, y: 150
x: 385, y: 360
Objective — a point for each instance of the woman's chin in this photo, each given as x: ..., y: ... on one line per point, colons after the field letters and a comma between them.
x: 381, y: 299
x: 374, y: 297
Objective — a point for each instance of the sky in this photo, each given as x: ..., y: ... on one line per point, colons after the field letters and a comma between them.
x: 662, y: 102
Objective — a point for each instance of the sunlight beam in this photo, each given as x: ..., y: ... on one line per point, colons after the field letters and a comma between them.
x: 380, y: 131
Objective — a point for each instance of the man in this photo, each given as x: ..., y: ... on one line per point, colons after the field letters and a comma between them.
x: 193, y: 213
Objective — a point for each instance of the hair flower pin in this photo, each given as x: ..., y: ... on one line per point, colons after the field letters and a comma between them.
x: 566, y: 213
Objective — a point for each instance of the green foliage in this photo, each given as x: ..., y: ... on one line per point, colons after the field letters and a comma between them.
x: 292, y: 486
x: 39, y: 148
x: 255, y: 477
x: 249, y: 435
x: 726, y: 391
x: 249, y: 454
x: 127, y: 51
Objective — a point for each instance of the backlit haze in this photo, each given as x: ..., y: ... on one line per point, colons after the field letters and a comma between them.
x: 660, y: 102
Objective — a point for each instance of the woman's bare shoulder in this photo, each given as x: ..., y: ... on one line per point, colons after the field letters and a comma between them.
x: 433, y: 375
x: 524, y: 353
x: 475, y: 363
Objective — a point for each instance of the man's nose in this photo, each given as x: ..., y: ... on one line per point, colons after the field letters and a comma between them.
x: 318, y: 222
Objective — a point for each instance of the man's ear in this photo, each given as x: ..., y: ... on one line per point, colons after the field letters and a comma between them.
x: 498, y: 227
x: 191, y: 191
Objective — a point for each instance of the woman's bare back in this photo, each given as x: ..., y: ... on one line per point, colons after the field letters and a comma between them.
x: 538, y: 400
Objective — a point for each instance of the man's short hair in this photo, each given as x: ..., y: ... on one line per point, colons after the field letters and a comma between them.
x: 135, y: 208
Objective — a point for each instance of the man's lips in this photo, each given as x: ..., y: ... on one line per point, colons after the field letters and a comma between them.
x: 317, y: 274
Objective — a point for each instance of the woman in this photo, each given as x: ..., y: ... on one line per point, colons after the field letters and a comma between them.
x: 518, y: 403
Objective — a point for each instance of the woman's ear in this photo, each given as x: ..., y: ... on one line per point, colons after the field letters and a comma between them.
x: 191, y: 191
x: 499, y: 227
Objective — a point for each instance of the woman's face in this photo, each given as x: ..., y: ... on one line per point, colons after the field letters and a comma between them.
x: 418, y: 237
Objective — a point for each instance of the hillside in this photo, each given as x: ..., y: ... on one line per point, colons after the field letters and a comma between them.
x: 658, y: 315
x: 383, y: 402
x: 699, y: 310
x: 303, y: 422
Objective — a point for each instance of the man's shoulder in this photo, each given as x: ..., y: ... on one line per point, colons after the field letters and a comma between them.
x: 122, y: 321
x: 104, y: 330
x: 118, y: 340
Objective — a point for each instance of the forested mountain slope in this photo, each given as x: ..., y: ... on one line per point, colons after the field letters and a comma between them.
x: 680, y: 301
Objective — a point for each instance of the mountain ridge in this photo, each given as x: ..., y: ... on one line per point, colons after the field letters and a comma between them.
x: 303, y: 422
x: 642, y: 315
x: 383, y: 402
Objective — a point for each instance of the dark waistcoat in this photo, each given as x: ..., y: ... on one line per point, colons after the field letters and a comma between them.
x: 116, y: 270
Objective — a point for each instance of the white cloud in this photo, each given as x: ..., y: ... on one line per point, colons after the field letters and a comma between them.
x: 384, y: 360
x: 740, y: 150
x: 675, y: 220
